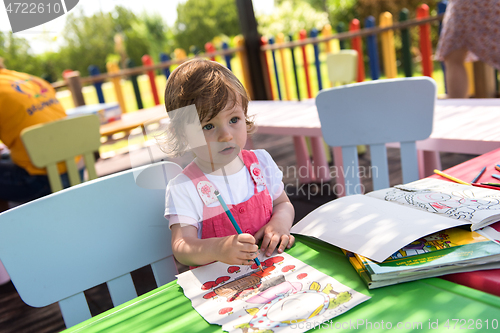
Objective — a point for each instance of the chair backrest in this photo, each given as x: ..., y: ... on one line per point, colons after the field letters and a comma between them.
x: 61, y: 141
x: 375, y: 113
x: 342, y: 66
x: 60, y: 245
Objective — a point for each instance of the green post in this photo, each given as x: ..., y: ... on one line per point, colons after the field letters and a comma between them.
x: 133, y: 78
x: 406, y: 41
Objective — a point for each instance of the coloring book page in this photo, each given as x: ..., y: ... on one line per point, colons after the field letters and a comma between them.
x: 246, y: 299
x: 462, y: 202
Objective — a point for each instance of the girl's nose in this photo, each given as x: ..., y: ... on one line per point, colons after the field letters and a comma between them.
x: 225, y: 135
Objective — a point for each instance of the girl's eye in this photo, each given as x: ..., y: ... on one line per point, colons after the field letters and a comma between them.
x: 208, y: 127
x: 234, y: 120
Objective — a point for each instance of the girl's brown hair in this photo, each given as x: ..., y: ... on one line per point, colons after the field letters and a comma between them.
x: 208, y: 85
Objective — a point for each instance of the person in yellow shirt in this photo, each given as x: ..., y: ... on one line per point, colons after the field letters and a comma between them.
x: 25, y: 100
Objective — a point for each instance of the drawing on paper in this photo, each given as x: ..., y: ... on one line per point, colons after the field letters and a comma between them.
x: 434, y: 242
x: 286, y: 292
x: 456, y: 204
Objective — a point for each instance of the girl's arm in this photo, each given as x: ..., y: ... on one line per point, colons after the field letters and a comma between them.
x: 190, y: 250
x: 277, y: 230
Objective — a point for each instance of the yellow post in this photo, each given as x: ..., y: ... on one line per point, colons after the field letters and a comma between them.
x: 180, y: 54
x: 280, y: 39
x: 332, y: 46
x: 240, y: 42
x: 112, y: 67
x: 470, y: 75
x: 388, y: 49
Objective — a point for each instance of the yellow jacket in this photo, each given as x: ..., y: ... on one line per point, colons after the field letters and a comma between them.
x: 25, y: 100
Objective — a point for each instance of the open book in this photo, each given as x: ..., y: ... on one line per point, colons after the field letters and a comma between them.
x: 380, y: 223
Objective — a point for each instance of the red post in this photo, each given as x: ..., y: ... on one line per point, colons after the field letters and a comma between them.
x: 148, y: 61
x: 303, y: 35
x: 425, y: 41
x: 263, y: 41
x: 66, y: 72
x: 357, y: 45
x: 209, y: 48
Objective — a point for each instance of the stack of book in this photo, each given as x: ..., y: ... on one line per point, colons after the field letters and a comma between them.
x: 423, y: 229
x: 449, y: 251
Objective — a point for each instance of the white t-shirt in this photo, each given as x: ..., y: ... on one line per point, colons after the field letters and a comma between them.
x: 182, y: 198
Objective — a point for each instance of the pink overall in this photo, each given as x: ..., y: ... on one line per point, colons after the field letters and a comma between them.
x: 250, y: 215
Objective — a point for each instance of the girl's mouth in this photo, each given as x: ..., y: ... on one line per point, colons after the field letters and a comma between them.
x: 227, y: 151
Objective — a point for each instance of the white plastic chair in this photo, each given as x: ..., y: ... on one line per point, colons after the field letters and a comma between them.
x: 375, y: 113
x: 58, y: 246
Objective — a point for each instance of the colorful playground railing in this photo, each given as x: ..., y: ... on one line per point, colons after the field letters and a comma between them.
x: 297, y: 62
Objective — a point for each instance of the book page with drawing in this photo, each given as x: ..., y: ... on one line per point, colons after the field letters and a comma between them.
x: 479, y: 206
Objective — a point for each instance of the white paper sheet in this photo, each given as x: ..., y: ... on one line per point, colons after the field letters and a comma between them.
x: 371, y: 227
x: 288, y: 292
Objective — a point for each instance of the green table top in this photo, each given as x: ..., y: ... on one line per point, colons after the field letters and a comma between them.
x: 406, y: 307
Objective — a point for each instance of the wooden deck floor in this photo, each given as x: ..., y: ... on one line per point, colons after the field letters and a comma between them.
x: 17, y: 317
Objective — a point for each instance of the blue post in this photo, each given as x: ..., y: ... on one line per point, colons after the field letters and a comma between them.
x: 164, y: 58
x: 294, y: 65
x: 314, y: 33
x: 441, y: 8
x: 371, y: 43
x: 94, y: 71
x: 227, y: 57
x: 271, y: 42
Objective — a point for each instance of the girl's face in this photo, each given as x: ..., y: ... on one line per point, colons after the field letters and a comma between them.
x: 225, y: 135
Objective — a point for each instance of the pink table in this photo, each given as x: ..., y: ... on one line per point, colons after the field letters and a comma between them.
x: 488, y: 281
x: 468, y: 126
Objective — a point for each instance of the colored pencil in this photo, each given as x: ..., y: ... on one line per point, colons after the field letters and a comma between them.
x: 486, y: 186
x: 497, y: 167
x: 479, y: 175
x: 491, y: 184
x: 445, y: 175
x: 233, y: 221
x: 495, y: 176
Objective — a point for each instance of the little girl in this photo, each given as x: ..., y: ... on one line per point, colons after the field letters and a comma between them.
x: 207, y: 107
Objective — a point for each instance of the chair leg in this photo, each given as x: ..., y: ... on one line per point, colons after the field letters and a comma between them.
x: 339, y: 188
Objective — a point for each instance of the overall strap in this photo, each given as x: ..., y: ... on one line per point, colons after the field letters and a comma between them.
x: 253, y: 166
x: 204, y: 187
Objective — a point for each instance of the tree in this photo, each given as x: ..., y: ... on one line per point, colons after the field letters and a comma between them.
x: 18, y: 55
x: 148, y: 34
x: 290, y: 17
x: 199, y: 21
x: 88, y: 40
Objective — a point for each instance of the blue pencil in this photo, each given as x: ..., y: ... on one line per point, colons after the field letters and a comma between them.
x: 233, y: 221
x: 478, y: 175
x: 495, y: 176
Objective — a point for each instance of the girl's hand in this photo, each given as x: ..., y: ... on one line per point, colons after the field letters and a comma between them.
x: 237, y: 250
x: 272, y: 234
